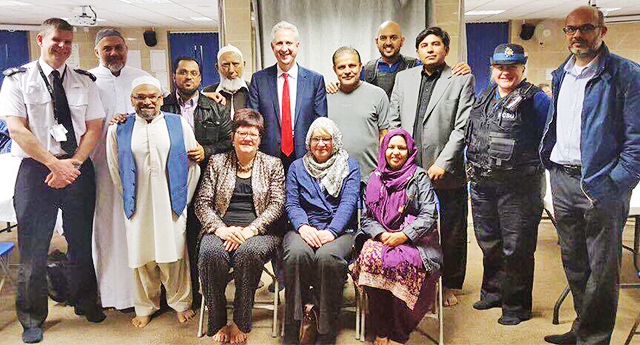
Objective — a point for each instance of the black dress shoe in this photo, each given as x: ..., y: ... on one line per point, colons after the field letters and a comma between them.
x: 484, y: 304
x: 512, y: 320
x: 93, y: 314
x: 568, y: 338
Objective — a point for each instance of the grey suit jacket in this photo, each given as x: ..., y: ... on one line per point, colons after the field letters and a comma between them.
x: 444, y: 122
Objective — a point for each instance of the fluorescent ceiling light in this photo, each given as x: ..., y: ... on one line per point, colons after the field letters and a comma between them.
x: 146, y: 1
x: 483, y: 13
x: 201, y: 19
x: 14, y: 3
x: 611, y: 9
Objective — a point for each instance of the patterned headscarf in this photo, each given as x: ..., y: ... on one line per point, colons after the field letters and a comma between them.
x: 332, y: 172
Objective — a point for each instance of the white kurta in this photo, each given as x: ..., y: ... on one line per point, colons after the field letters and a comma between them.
x: 154, y: 231
x: 115, y: 278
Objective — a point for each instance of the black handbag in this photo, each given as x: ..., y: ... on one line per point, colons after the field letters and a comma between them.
x: 309, y: 325
x: 58, y: 282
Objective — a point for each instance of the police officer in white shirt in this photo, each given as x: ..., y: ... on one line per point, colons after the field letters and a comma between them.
x: 55, y: 119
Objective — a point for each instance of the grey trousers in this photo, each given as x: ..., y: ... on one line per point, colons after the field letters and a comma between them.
x: 324, y: 269
x: 247, y: 261
x: 590, y: 237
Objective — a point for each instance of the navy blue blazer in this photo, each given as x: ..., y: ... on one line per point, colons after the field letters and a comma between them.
x: 307, y: 204
x: 311, y: 103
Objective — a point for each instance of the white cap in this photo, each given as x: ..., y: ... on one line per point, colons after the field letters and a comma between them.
x: 229, y: 48
x: 146, y: 80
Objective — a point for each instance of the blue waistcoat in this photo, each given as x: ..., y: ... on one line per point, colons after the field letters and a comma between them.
x: 177, y: 164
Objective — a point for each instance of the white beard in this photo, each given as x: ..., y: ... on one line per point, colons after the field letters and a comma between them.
x: 231, y: 85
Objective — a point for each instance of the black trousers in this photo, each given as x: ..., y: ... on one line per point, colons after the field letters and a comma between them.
x: 36, y: 206
x: 453, y: 229
x: 506, y: 214
x: 590, y: 238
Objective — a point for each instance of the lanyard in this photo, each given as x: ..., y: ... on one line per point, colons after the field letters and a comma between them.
x: 46, y: 81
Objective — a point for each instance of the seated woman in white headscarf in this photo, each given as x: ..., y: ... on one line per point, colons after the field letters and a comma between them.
x: 322, y: 197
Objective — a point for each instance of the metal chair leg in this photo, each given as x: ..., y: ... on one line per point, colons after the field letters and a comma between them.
x: 358, y: 311
x: 633, y: 331
x: 556, y: 307
x: 203, y: 307
x: 276, y: 297
x: 440, y: 313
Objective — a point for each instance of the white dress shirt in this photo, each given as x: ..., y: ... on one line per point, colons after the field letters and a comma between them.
x: 25, y: 95
x: 569, y: 112
x: 293, y: 87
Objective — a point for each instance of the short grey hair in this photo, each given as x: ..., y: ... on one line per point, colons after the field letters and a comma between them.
x: 284, y: 25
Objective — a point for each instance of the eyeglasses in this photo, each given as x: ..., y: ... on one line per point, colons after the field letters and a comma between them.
x: 184, y: 73
x: 584, y: 29
x: 249, y: 135
x: 317, y: 141
x: 144, y: 98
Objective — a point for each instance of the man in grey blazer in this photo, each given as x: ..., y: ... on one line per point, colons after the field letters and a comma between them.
x: 433, y: 104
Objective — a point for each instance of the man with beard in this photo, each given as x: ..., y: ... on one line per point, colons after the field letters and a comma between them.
x: 115, y: 278
x: 212, y: 127
x: 591, y: 147
x: 232, y: 87
x: 55, y: 119
x: 382, y: 71
x: 147, y: 156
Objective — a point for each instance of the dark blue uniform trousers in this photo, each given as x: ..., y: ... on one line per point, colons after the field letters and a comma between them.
x: 36, y: 206
x: 506, y: 212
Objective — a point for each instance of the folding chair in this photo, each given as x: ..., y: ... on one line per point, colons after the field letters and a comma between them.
x: 5, y: 254
x: 362, y: 301
x: 270, y: 305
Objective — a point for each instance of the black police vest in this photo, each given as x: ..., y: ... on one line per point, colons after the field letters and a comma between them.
x: 503, y: 135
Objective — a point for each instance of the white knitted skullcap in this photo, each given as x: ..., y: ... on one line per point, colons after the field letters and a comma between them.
x: 146, y: 80
x: 229, y: 48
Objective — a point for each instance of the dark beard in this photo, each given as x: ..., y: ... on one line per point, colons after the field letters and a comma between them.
x: 187, y: 94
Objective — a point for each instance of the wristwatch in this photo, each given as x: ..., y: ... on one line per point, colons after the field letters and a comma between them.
x: 254, y: 229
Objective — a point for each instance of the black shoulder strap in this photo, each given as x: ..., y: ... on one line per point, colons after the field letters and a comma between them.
x: 13, y: 70
x: 87, y: 73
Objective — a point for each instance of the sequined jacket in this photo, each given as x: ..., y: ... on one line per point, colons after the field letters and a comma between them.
x: 267, y: 182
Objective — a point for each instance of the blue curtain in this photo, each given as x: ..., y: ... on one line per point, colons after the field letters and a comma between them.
x: 482, y: 38
x: 203, y: 46
x: 14, y: 50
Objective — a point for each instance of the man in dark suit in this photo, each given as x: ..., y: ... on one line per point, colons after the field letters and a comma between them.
x: 288, y: 96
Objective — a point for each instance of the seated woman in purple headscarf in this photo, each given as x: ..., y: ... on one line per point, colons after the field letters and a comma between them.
x: 400, y: 260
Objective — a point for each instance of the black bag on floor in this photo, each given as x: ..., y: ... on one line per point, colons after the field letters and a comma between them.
x: 58, y: 282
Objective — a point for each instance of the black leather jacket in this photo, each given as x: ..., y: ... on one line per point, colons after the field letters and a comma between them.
x: 211, y: 121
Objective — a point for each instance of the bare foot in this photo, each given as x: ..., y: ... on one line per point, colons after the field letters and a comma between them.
x: 222, y: 336
x: 381, y: 341
x: 140, y: 321
x: 184, y: 316
x: 449, y: 299
x: 236, y: 336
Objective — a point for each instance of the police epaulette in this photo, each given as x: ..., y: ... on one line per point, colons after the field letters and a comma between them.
x: 13, y: 70
x: 87, y: 73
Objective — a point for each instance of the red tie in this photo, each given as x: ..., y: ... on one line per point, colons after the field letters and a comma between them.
x: 287, y: 131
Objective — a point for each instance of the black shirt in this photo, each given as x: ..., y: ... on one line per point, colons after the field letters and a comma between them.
x: 427, y: 84
x: 241, y: 211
